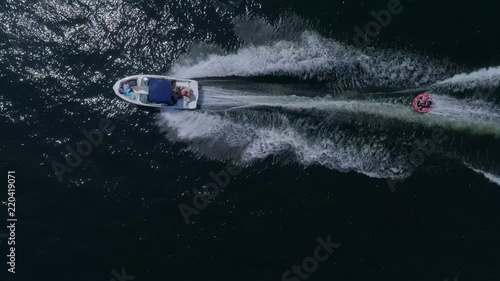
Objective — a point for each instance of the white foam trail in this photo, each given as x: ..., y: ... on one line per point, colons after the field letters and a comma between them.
x: 483, y: 78
x: 283, y: 57
x: 491, y: 177
x: 253, y: 136
x: 248, y: 136
x: 311, y: 56
x: 474, y: 115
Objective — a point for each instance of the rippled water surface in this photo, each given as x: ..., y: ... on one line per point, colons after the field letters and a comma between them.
x: 320, y: 130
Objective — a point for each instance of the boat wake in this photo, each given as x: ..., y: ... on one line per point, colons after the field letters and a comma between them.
x: 476, y: 116
x: 374, y: 136
x: 313, y: 57
x: 341, y: 124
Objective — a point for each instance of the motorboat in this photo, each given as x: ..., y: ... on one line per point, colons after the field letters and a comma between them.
x: 158, y: 91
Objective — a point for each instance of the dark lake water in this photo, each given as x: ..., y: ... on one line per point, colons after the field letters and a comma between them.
x: 304, y: 161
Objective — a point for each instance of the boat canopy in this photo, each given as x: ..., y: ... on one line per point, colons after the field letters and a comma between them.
x: 160, y: 91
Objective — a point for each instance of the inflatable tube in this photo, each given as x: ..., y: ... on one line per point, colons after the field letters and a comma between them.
x: 422, y: 103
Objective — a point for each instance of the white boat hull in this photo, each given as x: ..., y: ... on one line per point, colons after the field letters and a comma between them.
x: 140, y: 91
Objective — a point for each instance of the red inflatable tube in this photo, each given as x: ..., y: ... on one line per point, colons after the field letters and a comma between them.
x: 422, y: 103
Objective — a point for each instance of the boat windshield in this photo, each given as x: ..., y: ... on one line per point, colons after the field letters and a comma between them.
x: 145, y: 82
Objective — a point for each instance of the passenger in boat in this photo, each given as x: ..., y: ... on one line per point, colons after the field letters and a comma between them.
x: 185, y: 93
x: 182, y: 93
x: 177, y: 93
x: 127, y: 91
